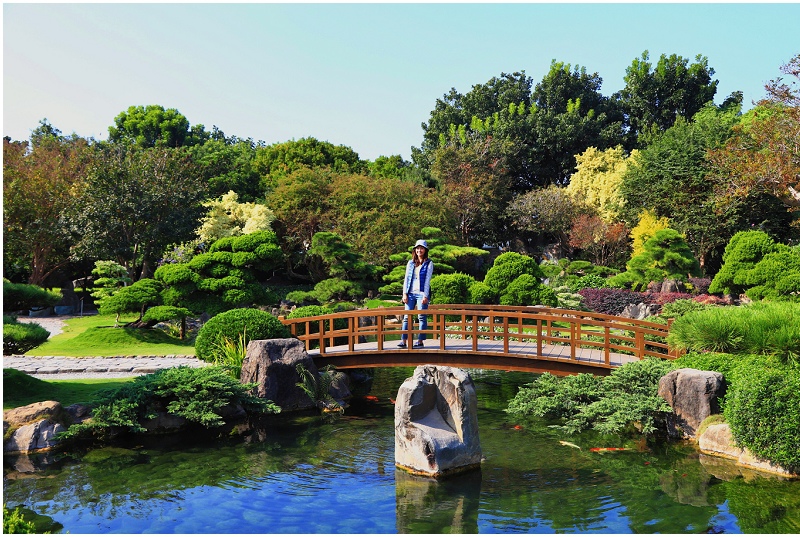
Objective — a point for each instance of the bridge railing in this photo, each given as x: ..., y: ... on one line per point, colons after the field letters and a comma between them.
x: 475, y: 323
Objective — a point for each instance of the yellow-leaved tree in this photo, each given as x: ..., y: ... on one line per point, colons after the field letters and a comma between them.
x: 648, y: 225
x: 227, y: 217
x: 596, y: 183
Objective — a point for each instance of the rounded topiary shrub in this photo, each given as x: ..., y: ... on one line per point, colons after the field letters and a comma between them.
x: 19, y: 337
x: 232, y: 324
x: 451, y: 288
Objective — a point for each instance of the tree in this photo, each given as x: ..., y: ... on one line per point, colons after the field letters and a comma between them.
x: 666, y: 256
x: 654, y: 98
x: 226, y: 217
x: 670, y: 178
x: 763, y: 155
x: 548, y: 213
x: 152, y: 126
x: 743, y: 251
x: 280, y: 160
x: 227, y: 276
x: 109, y: 277
x: 603, y: 243
x: 597, y: 180
x: 337, y: 259
x: 134, y: 203
x: 228, y: 164
x: 776, y: 276
x: 136, y: 297
x: 474, y: 183
x: 647, y: 226
x: 39, y: 187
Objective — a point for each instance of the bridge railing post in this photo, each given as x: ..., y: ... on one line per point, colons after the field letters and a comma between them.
x: 381, y: 335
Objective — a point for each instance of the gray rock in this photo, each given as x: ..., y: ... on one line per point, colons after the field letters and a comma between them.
x: 693, y: 395
x: 436, y: 422
x: 673, y: 286
x: 163, y: 422
x: 36, y: 436
x: 639, y: 311
x: 718, y: 440
x: 272, y: 365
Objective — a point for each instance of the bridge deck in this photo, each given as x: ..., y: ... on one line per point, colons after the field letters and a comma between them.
x: 521, y: 356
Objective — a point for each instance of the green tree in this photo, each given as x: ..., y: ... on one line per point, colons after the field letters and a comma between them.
x: 108, y: 278
x: 152, y: 126
x: 279, y: 160
x: 135, y: 298
x: 508, y: 267
x: 670, y: 178
x: 134, y: 203
x: 665, y: 256
x: 598, y: 178
x: 776, y: 276
x: 743, y: 251
x: 546, y: 213
x: 335, y: 258
x: 39, y: 186
x: 225, y: 277
x: 654, y: 97
x: 228, y: 164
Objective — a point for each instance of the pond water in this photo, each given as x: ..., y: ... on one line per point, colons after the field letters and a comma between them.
x: 310, y: 474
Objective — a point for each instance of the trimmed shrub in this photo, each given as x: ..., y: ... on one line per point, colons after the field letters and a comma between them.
x: 613, y: 301
x: 508, y: 267
x: 255, y: 324
x: 744, y: 250
x: 480, y: 293
x: 451, y: 288
x: 22, y: 296
x: 527, y: 291
x: 776, y: 276
x: 699, y: 286
x: 681, y: 307
x: 590, y: 281
x: 763, y: 410
x: 19, y: 338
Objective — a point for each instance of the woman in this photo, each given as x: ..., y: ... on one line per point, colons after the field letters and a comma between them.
x: 417, y: 289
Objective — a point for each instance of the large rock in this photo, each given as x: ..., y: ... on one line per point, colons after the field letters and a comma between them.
x: 693, y: 395
x: 436, y: 422
x: 639, y: 311
x: 33, y: 427
x: 272, y: 365
x: 718, y: 440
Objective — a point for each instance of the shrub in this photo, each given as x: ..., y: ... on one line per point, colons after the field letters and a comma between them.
x: 19, y: 338
x: 508, y: 267
x: 612, y: 301
x: 196, y: 394
x: 22, y: 296
x: 666, y: 298
x: 230, y: 324
x: 527, y: 291
x: 451, y: 288
x: 763, y: 410
x: 665, y: 256
x: 681, y: 307
x: 590, y: 281
x: 699, y: 286
x: 628, y: 396
x: 744, y: 250
x: 480, y: 293
x: 14, y: 522
x: 776, y: 276
x: 761, y: 328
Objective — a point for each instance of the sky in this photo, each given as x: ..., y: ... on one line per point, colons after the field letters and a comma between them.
x: 361, y: 75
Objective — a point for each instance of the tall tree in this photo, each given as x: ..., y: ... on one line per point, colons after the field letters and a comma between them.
x: 764, y: 153
x: 598, y: 178
x: 229, y: 164
x: 39, y: 187
x: 654, y: 97
x: 134, y: 203
x: 154, y: 126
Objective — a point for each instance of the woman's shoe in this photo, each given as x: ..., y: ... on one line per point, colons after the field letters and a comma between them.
x: 402, y: 344
x: 418, y: 344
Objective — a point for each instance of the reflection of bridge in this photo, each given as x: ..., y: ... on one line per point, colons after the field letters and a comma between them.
x: 518, y: 338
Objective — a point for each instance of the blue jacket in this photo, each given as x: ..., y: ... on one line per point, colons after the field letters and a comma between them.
x: 425, y: 274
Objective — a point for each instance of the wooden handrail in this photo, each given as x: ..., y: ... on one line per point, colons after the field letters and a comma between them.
x: 545, y: 325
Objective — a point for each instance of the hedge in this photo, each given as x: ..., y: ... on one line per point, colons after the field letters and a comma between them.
x: 252, y: 323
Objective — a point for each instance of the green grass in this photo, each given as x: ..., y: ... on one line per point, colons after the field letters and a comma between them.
x: 95, y: 335
x: 20, y: 389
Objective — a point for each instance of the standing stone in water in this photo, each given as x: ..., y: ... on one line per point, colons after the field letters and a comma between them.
x: 436, y: 422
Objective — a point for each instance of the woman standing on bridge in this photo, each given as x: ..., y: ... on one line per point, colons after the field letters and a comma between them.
x: 417, y: 289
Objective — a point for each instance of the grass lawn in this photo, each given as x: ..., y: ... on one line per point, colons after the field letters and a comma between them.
x: 95, y: 335
x: 20, y: 389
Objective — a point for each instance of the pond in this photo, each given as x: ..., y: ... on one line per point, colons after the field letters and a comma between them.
x: 336, y: 474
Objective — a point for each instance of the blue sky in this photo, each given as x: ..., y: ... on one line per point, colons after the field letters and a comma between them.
x: 361, y: 75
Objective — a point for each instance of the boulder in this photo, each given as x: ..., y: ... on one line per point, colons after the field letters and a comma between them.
x: 36, y: 436
x: 436, y: 422
x: 673, y: 286
x: 639, y: 311
x: 272, y: 365
x: 693, y: 395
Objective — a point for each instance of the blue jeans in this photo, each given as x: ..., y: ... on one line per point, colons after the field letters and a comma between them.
x: 414, y: 303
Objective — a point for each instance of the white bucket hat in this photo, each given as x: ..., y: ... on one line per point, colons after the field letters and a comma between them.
x: 422, y: 243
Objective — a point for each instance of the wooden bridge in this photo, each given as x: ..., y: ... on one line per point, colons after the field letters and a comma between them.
x: 514, y: 338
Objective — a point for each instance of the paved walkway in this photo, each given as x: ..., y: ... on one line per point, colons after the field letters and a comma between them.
x: 66, y: 367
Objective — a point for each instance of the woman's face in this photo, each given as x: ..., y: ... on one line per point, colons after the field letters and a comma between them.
x: 420, y: 250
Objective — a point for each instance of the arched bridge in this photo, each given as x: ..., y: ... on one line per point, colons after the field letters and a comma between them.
x: 515, y: 338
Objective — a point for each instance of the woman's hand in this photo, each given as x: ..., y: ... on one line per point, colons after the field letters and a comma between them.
x: 424, y: 301
x: 405, y: 298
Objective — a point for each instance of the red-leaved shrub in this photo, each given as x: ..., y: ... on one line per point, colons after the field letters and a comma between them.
x: 613, y: 301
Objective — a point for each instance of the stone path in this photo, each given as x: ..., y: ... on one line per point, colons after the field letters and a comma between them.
x: 67, y: 367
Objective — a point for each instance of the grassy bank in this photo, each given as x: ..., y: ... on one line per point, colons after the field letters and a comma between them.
x: 96, y: 336
x: 20, y: 389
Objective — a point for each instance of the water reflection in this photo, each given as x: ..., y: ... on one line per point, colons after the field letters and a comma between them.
x: 427, y: 505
